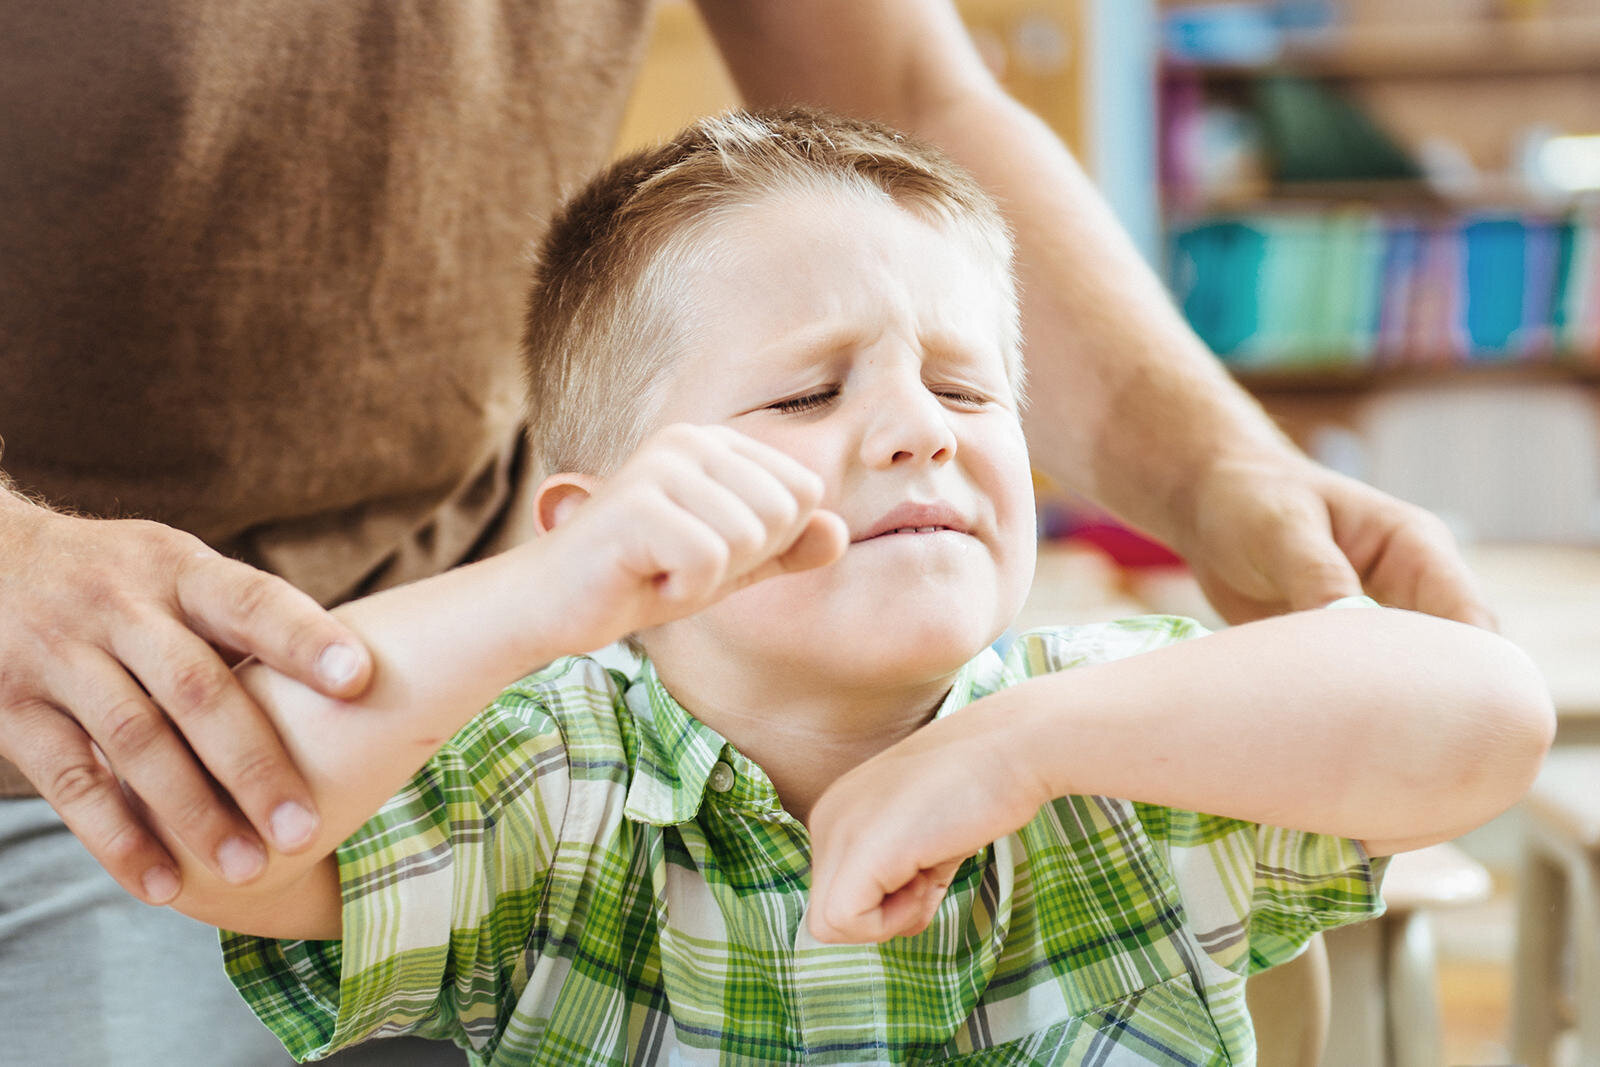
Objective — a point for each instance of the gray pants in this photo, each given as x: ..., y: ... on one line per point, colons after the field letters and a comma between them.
x: 90, y: 976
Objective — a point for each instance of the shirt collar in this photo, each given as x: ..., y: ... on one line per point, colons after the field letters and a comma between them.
x: 675, y: 757
x: 676, y: 753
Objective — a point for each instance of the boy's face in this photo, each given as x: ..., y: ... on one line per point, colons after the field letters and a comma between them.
x: 865, y: 343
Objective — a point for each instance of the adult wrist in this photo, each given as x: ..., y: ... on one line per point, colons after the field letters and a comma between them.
x: 1256, y: 462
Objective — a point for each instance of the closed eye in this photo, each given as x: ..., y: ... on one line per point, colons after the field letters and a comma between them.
x: 962, y: 397
x: 808, y: 402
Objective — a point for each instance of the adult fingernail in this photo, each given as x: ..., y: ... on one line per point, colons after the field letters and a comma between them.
x: 240, y: 860
x: 160, y: 884
x: 338, y: 664
x: 292, y: 825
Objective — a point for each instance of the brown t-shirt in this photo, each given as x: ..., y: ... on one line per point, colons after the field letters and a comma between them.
x: 262, y: 264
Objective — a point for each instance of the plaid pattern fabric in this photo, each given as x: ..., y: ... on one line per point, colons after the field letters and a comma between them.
x: 586, y: 874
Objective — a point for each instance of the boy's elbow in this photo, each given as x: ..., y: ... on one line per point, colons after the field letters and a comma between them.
x: 1534, y: 708
x: 1516, y: 702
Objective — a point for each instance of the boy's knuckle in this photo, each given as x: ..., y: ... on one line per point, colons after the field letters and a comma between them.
x: 784, y: 512
x: 748, y: 539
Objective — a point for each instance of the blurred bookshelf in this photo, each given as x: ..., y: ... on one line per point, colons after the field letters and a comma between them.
x: 1360, y: 196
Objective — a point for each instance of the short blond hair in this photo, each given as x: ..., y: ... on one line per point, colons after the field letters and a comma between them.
x: 606, y: 317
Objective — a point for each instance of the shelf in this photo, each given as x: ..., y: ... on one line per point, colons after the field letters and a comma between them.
x: 1335, y: 377
x: 1267, y: 196
x: 1465, y: 49
x: 1491, y: 194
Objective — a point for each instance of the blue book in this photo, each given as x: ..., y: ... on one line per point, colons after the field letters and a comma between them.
x: 1402, y: 263
x: 1214, y: 269
x: 1493, y: 272
x: 1541, y: 264
x: 1289, y: 282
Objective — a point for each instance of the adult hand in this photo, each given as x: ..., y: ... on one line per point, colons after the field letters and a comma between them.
x: 117, y: 703
x: 1285, y: 534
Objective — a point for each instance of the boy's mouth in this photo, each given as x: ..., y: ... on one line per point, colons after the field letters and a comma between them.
x: 916, y: 518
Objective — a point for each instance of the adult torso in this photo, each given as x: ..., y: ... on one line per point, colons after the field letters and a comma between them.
x: 264, y: 263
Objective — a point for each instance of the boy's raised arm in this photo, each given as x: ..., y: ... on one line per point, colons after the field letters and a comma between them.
x: 1392, y: 728
x: 696, y: 513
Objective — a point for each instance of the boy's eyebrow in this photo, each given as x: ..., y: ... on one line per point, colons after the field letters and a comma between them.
x: 808, y: 344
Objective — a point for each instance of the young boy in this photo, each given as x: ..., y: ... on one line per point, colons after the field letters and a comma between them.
x: 776, y: 368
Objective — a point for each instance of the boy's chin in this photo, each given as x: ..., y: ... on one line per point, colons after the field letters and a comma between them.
x: 908, y: 655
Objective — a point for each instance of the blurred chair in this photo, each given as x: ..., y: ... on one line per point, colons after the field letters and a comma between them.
x: 1557, y: 979
x: 1289, y: 1005
x: 1384, y: 973
x: 1498, y: 461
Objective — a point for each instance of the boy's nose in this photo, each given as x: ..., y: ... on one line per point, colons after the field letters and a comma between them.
x: 909, y: 426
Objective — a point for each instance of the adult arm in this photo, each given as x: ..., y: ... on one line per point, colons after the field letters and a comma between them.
x: 113, y: 641
x: 696, y: 513
x: 1390, y: 727
x: 1128, y: 406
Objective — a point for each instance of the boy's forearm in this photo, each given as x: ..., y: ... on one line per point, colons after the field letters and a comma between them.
x: 442, y: 648
x: 663, y: 536
x: 1419, y: 730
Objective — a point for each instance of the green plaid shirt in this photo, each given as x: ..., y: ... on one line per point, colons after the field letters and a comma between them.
x: 586, y: 874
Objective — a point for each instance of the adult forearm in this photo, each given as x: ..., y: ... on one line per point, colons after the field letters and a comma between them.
x: 1417, y: 731
x: 1128, y: 405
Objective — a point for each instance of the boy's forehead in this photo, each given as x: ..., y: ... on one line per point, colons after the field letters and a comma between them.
x: 810, y: 271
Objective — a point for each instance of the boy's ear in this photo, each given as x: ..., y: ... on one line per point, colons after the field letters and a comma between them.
x: 559, y: 496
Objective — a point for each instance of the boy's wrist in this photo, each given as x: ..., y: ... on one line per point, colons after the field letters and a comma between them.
x: 1029, y: 753
x: 549, y: 588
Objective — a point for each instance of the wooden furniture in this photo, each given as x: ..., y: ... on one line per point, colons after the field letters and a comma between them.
x: 1290, y: 1006
x: 1557, y: 978
x: 1035, y: 47
x: 1384, y: 973
x: 1473, y: 87
x: 1547, y: 600
x: 1384, y: 1001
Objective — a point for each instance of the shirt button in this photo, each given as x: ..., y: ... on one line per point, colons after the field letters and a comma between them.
x: 721, y: 779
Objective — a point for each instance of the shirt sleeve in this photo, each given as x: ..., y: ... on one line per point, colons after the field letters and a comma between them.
x: 440, y: 891
x: 1254, y: 895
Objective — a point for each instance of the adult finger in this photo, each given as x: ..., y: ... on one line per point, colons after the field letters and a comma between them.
x: 144, y: 750
x: 60, y: 761
x: 1452, y: 592
x: 231, y: 736
x: 238, y: 607
x: 1418, y: 575
x: 1299, y: 557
